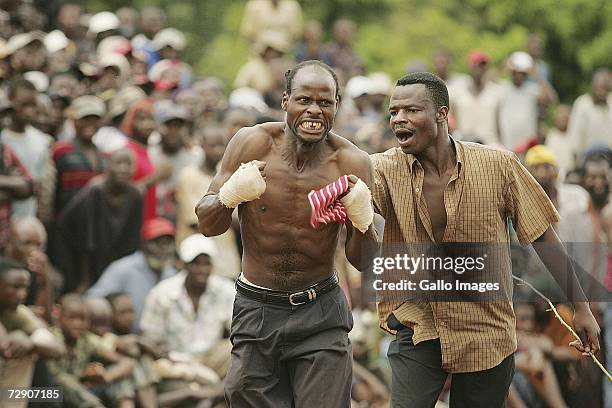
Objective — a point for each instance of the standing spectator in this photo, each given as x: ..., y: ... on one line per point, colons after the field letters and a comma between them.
x: 344, y: 58
x: 85, y: 381
x: 169, y: 43
x: 518, y: 108
x: 26, y: 52
x: 152, y: 21
x: 78, y: 161
x: 312, y: 48
x: 558, y: 141
x: 265, y: 71
x: 235, y: 119
x: 534, y: 49
x: 101, y: 224
x: 191, y: 312
x: 282, y: 17
x: 15, y: 183
x: 590, y: 121
x: 138, y: 273
x: 22, y: 334
x: 475, y: 101
x: 173, y: 152
x: 138, y: 124
x: 31, y: 146
x: 129, y: 21
x: 191, y: 186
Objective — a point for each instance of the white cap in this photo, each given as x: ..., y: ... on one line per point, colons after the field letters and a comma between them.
x: 114, y: 44
x: 40, y: 80
x: 196, y: 244
x: 169, y: 37
x: 380, y: 83
x: 357, y: 86
x: 520, y: 61
x: 18, y: 41
x: 103, y: 21
x: 116, y: 60
x: 247, y: 98
x: 56, y: 41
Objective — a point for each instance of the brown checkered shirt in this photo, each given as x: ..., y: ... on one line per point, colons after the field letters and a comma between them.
x: 489, y: 186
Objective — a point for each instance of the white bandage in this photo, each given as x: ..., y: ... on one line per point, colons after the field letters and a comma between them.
x: 246, y: 184
x: 358, y: 204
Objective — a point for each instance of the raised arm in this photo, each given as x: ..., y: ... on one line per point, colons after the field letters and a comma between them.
x: 232, y: 185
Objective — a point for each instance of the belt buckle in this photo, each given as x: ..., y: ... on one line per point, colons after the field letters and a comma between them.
x: 312, y: 295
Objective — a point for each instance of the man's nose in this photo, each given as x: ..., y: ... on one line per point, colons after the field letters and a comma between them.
x: 314, y: 108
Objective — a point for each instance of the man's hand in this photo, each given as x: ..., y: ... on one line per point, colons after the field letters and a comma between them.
x: 95, y: 374
x: 358, y: 204
x: 38, y: 263
x: 247, y: 183
x: 19, y: 345
x: 587, y: 329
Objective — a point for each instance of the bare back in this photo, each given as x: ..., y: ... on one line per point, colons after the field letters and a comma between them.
x: 281, y: 250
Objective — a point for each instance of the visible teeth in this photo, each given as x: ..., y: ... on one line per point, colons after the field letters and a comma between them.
x: 311, y: 125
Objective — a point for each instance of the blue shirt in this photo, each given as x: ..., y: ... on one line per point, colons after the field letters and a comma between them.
x: 132, y: 275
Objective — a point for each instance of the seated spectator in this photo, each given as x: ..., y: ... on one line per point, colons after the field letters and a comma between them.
x: 100, y: 225
x: 81, y: 373
x: 191, y: 312
x: 144, y: 376
x: 28, y: 242
x: 138, y: 273
x: 23, y: 336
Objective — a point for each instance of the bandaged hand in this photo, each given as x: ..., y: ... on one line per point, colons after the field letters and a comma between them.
x: 358, y: 205
x: 246, y: 184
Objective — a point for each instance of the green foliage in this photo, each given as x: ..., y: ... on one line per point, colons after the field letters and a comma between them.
x: 577, y: 33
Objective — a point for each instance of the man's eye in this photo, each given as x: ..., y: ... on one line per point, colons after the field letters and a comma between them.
x: 325, y: 103
x: 413, y: 110
x: 393, y: 113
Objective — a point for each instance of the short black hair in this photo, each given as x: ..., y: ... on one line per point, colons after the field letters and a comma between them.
x: 434, y: 84
x: 8, y: 264
x: 17, y: 84
x: 602, y: 155
x: 290, y: 74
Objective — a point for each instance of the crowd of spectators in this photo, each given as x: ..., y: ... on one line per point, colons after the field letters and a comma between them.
x: 108, y: 139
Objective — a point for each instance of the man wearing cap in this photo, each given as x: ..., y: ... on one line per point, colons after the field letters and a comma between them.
x: 138, y: 273
x: 518, y: 107
x: 474, y: 101
x: 26, y: 52
x: 291, y: 320
x: 172, y: 125
x: 191, y: 311
x: 78, y: 161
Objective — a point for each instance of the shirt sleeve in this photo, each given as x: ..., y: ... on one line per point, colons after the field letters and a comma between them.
x: 27, y: 320
x: 152, y: 321
x: 380, y: 190
x: 527, y: 204
x: 110, y: 282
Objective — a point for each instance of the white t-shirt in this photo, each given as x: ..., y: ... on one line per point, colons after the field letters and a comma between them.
x: 518, y: 113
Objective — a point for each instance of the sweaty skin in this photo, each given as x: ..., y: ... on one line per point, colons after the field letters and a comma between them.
x: 281, y: 250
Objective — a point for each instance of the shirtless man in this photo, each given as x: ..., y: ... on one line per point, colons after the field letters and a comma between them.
x: 291, y: 321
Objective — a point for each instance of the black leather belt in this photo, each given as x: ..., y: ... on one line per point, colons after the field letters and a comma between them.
x: 287, y: 298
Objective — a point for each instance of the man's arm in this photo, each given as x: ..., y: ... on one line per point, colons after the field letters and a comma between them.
x: 361, y: 247
x: 214, y: 218
x: 555, y: 258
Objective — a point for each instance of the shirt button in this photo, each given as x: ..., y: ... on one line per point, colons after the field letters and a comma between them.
x: 417, y: 189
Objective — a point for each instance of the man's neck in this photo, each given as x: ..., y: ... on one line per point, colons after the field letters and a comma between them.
x: 440, y: 157
x: 300, y: 154
x: 17, y: 127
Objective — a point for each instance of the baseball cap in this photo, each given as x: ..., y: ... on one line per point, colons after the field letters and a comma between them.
x: 169, y: 37
x: 520, y: 61
x: 156, y: 228
x: 476, y: 57
x: 540, y: 155
x: 19, y: 41
x: 85, y: 106
x: 40, y: 80
x: 116, y: 60
x: 166, y: 110
x: 103, y: 21
x: 194, y: 245
x: 357, y: 86
x: 56, y: 41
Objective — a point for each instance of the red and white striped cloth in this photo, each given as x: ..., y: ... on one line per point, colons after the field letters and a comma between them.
x: 324, y: 204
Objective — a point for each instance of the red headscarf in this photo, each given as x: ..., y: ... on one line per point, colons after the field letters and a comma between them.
x: 143, y: 105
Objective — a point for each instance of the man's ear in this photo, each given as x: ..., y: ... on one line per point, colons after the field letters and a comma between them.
x: 284, y: 101
x: 442, y: 114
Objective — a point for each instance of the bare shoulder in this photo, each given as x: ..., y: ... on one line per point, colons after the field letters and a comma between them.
x: 251, y: 143
x: 351, y: 158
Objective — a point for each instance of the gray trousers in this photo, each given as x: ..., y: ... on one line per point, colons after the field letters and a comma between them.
x: 286, y: 356
x: 418, y: 376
